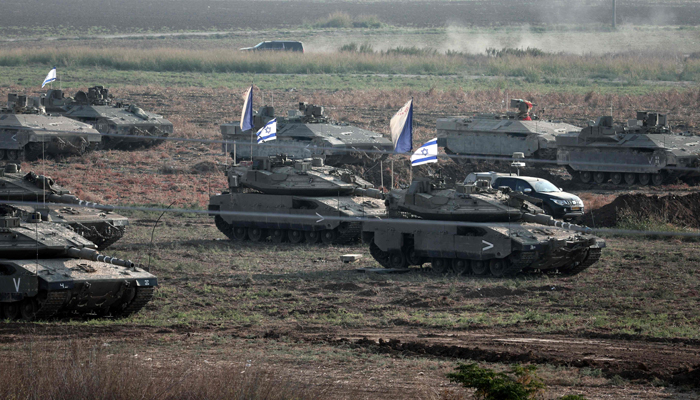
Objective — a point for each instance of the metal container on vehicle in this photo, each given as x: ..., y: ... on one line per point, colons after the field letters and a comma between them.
x: 503, y: 232
x: 97, y: 223
x: 27, y: 133
x: 98, y: 108
x: 643, y: 151
x: 287, y: 200
x: 308, y: 133
x: 47, y: 270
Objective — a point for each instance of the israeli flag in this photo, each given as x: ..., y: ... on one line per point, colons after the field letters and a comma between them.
x: 402, y: 128
x: 268, y: 132
x: 50, y: 77
x: 425, y: 154
x: 247, y: 113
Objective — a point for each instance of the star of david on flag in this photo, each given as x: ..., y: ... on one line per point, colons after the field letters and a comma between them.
x: 268, y: 132
x: 50, y: 77
x: 425, y: 154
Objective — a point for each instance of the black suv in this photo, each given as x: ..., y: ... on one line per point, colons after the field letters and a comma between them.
x: 554, y: 202
x: 277, y: 45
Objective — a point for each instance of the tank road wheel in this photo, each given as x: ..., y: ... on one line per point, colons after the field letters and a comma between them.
x: 255, y: 234
x: 498, y: 267
x: 412, y: 257
x: 2, y: 154
x: 630, y: 178
x: 441, y: 266
x: 460, y: 267
x: 12, y: 155
x: 585, y: 176
x: 328, y: 236
x: 600, y: 177
x: 28, y: 309
x: 658, y: 178
x: 479, y: 267
x: 398, y: 260
x: 278, y: 235
x: 295, y: 236
x: 644, y: 179
x: 312, y: 236
x: 240, y: 233
x: 616, y: 178
x: 10, y: 311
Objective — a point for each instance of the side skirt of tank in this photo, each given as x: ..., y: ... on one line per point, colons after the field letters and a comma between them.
x: 288, y: 232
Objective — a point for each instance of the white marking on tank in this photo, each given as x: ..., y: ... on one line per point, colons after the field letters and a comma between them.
x: 488, y: 245
x: 320, y: 216
x: 16, y: 281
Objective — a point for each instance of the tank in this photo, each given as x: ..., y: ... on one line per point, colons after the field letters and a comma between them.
x: 98, y: 108
x: 501, y: 135
x: 309, y: 134
x: 97, y: 223
x: 27, y: 133
x: 47, y: 270
x: 504, y: 232
x: 644, y: 151
x: 302, y: 192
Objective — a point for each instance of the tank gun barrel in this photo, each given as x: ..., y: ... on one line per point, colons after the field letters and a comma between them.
x: 544, y: 219
x: 374, y: 193
x: 70, y: 199
x: 93, y: 255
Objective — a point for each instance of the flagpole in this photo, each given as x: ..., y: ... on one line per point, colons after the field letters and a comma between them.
x: 392, y: 174
x: 381, y: 174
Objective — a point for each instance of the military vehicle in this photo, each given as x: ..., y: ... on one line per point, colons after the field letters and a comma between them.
x: 309, y: 133
x: 643, y: 151
x: 98, y: 108
x: 99, y: 223
x: 47, y: 270
x: 302, y: 193
x: 27, y: 133
x: 501, y: 135
x: 504, y: 232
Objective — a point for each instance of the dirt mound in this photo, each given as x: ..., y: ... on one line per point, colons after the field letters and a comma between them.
x: 675, y: 209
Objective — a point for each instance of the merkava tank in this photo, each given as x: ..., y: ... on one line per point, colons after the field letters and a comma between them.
x: 501, y: 135
x: 47, y: 270
x: 309, y: 133
x: 476, y: 229
x: 302, y: 192
x: 643, y: 151
x: 98, y: 108
x: 97, y: 223
x: 27, y: 133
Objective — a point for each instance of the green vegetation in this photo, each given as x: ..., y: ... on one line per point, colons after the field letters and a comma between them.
x: 340, y: 19
x: 521, y: 384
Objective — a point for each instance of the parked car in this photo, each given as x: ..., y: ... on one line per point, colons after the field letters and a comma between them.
x: 555, y: 202
x: 277, y: 45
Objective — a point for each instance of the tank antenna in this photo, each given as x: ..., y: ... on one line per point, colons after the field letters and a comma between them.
x: 148, y: 268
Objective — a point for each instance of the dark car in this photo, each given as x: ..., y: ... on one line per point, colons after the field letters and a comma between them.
x: 554, y: 202
x: 277, y: 45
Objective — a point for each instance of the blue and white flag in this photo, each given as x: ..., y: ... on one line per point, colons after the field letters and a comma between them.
x: 425, y: 154
x: 247, y: 113
x: 402, y: 129
x: 268, y: 132
x: 50, y: 77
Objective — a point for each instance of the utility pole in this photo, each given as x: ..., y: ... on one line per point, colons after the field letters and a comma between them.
x: 614, y: 15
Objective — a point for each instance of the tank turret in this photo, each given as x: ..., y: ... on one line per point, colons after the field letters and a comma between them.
x: 97, y: 223
x: 47, y: 270
x: 302, y: 193
x: 98, y: 108
x: 642, y: 151
x: 476, y: 229
x: 307, y: 132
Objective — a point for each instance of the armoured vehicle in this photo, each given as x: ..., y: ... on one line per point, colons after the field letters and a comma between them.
x: 98, y: 108
x: 499, y: 135
x: 99, y: 223
x: 47, y: 270
x: 302, y: 193
x: 309, y: 133
x: 503, y: 233
x: 27, y: 133
x: 643, y: 151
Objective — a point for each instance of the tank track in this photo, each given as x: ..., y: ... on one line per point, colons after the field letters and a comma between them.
x: 142, y: 297
x: 350, y: 232
x: 51, y: 305
x: 224, y: 227
x: 593, y: 257
x: 380, y: 256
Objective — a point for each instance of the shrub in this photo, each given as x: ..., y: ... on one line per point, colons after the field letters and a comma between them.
x: 490, y: 385
x: 341, y: 19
